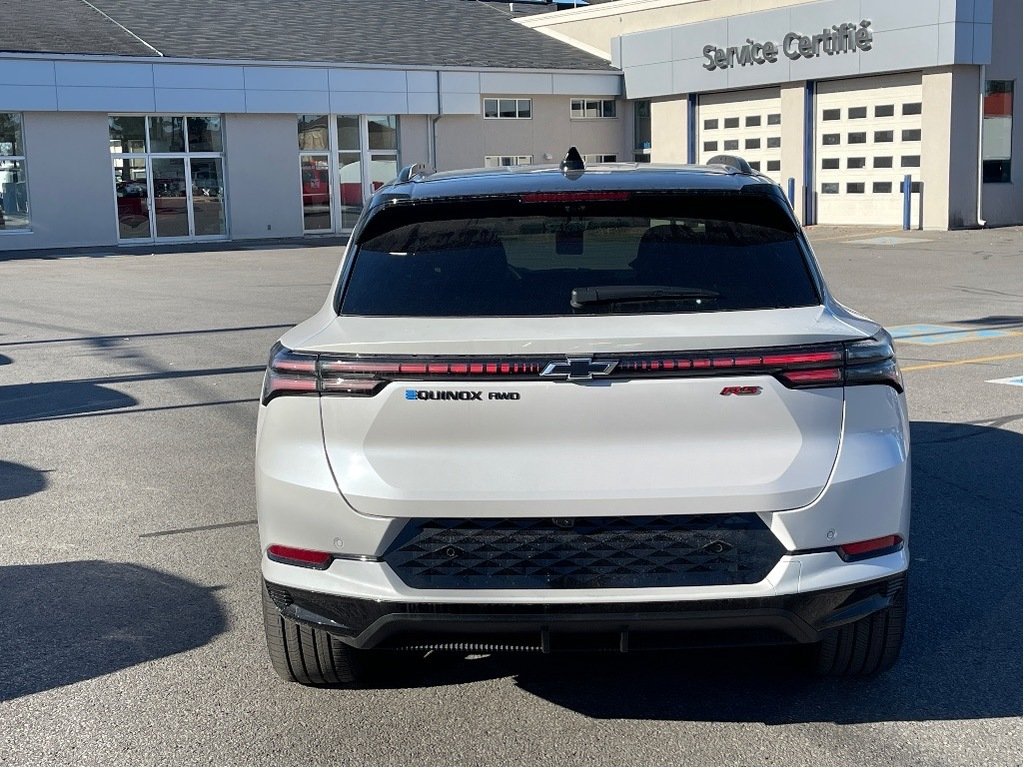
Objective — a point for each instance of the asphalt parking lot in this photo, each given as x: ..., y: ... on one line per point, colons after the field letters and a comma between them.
x: 131, y: 630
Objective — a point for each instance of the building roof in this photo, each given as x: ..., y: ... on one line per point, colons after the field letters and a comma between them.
x: 396, y: 32
x: 63, y: 26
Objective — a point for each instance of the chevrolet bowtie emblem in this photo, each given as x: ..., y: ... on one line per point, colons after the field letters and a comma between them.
x: 579, y: 368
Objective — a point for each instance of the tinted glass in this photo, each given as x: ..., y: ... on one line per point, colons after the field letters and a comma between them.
x: 881, y: 187
x: 731, y: 144
x: 383, y: 130
x: 710, y: 124
x: 829, y: 139
x: 774, y: 165
x: 348, y: 132
x: 831, y: 114
x: 910, y: 161
x: 881, y: 162
x: 732, y: 122
x: 500, y: 258
x: 752, y: 120
x: 829, y: 163
x: 855, y: 187
x: 856, y: 162
x: 856, y: 113
x: 313, y: 132
x: 883, y: 136
x: 860, y: 137
x: 775, y: 119
x: 14, y: 213
x: 912, y: 134
x: 10, y: 135
x: 166, y: 134
x: 204, y: 134
x: 710, y: 146
x: 774, y: 142
x: 751, y: 143
x: 830, y: 189
x: 127, y: 133
x: 912, y: 109
x: 884, y: 110
x: 207, y: 195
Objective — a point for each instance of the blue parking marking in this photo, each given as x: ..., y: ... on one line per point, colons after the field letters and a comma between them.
x: 928, y: 333
x: 1015, y: 381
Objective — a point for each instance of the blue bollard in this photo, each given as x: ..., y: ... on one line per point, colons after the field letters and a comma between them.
x: 906, y: 201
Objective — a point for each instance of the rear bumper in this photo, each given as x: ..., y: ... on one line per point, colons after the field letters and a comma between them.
x: 623, y: 626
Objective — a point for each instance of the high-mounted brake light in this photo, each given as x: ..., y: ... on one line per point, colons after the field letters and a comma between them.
x: 573, y: 197
x: 307, y: 558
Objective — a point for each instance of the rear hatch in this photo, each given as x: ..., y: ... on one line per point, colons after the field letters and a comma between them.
x: 607, y: 358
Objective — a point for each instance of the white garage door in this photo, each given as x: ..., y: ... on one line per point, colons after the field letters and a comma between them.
x: 744, y: 123
x: 867, y: 137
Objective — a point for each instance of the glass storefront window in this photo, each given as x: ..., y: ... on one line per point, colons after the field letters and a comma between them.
x: 313, y: 132
x: 168, y: 176
x: 348, y: 132
x: 14, y: 212
x: 997, y: 132
x: 204, y: 134
x: 316, y: 193
x: 336, y: 186
x: 166, y: 133
x: 642, y: 131
x: 127, y: 134
x: 132, y: 189
x: 383, y: 131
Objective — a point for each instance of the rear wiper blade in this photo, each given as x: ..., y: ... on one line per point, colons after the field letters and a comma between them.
x: 615, y: 294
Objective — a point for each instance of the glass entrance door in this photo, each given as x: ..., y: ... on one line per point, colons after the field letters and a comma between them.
x: 170, y: 198
x: 168, y: 177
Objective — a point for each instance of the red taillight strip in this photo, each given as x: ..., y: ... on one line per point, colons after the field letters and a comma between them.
x: 834, y: 364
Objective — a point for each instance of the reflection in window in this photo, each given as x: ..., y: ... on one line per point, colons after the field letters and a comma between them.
x: 997, y: 132
x: 912, y: 109
x: 732, y: 122
x: 774, y: 165
x: 775, y: 119
x: 710, y: 124
x: 710, y: 146
x: 166, y: 133
x: 910, y: 161
x: 774, y: 142
x: 860, y: 137
x: 751, y: 143
x: 313, y: 132
x: 913, y: 134
x: 509, y: 109
x: 752, y: 121
x: 881, y: 187
x: 831, y: 114
x: 883, y: 136
x: 830, y: 189
x: 856, y: 162
x: 179, y: 196
x: 830, y: 163
x: 885, y: 110
x: 855, y: 188
x: 857, y: 113
x: 642, y: 131
x: 127, y: 134
x: 881, y: 162
x: 382, y: 131
x: 14, y: 212
x: 731, y: 144
x: 829, y: 139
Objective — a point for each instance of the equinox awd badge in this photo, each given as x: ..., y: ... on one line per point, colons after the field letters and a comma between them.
x: 461, y: 394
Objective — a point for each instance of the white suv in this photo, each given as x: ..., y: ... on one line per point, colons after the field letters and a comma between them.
x: 554, y: 408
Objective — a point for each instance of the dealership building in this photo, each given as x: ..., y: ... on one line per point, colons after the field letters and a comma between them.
x: 123, y: 122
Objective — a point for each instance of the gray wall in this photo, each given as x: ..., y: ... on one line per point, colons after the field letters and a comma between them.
x: 463, y: 141
x: 262, y: 169
x: 70, y: 182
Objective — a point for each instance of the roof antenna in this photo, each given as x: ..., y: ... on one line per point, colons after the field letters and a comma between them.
x: 572, y: 163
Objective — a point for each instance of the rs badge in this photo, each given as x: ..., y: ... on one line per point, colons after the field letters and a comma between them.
x: 741, y: 391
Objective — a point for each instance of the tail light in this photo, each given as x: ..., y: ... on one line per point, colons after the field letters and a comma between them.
x: 871, y: 361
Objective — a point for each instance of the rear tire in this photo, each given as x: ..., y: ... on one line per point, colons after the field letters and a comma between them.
x: 306, y: 655
x: 865, y: 647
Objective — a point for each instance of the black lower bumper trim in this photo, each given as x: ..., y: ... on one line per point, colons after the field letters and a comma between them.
x: 482, y: 627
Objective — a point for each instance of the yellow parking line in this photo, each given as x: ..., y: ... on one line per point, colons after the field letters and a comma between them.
x: 969, y: 361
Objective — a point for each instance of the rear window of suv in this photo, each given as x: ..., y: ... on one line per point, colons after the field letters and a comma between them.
x: 641, y: 254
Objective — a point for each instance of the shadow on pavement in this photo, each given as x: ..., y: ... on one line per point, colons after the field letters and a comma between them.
x: 961, y: 658
x: 73, y: 621
x: 5, y: 360
x: 28, y: 402
x: 17, y: 480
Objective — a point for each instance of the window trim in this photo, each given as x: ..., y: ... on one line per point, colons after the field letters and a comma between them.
x: 527, y: 160
x: 497, y: 107
x: 601, y: 102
